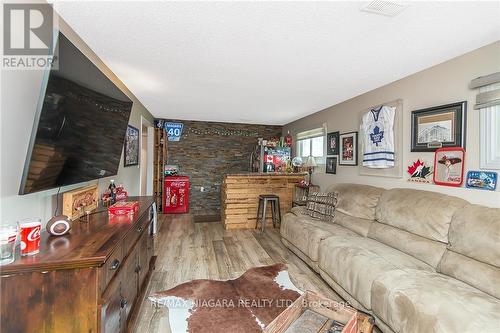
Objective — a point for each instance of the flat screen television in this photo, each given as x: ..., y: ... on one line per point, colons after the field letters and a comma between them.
x: 79, y: 126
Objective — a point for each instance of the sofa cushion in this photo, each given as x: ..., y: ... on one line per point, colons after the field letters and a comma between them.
x: 475, y: 233
x: 356, y: 224
x: 354, y: 262
x: 357, y: 200
x: 421, y: 301
x: 306, y: 233
x: 424, y: 213
x: 473, y: 272
x: 419, y: 247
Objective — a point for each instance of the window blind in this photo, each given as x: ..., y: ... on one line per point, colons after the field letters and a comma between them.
x: 489, y: 90
x: 311, y: 133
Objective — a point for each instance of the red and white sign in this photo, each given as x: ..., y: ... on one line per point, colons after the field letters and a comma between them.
x: 30, y: 237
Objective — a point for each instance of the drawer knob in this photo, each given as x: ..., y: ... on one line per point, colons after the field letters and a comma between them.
x: 139, y: 230
x: 138, y: 268
x: 114, y: 264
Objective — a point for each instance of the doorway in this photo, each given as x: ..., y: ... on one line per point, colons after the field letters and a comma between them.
x: 146, y: 163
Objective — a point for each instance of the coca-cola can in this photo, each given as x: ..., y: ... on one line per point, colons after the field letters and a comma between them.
x: 30, y: 236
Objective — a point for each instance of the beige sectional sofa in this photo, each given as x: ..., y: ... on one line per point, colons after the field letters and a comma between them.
x: 418, y: 261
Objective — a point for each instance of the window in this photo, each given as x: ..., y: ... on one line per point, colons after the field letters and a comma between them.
x: 311, y: 143
x: 489, y: 127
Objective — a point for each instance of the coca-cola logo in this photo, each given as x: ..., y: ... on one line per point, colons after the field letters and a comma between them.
x: 34, y: 234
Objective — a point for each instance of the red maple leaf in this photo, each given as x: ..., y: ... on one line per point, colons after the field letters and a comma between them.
x: 414, y: 167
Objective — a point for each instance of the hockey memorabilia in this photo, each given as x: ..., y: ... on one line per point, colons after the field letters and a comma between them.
x: 76, y: 202
x: 449, y: 166
x: 131, y: 147
x: 58, y: 225
x: 331, y: 164
x: 349, y: 149
x: 436, y: 127
x: 483, y: 180
x: 419, y: 172
x: 332, y: 143
x: 377, y: 127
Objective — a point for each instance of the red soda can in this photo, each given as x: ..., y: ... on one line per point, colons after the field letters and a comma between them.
x: 30, y: 236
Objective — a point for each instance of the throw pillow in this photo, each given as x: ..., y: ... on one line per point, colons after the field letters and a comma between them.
x: 322, y: 205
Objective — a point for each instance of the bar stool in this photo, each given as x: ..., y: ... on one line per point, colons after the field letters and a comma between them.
x: 274, y: 201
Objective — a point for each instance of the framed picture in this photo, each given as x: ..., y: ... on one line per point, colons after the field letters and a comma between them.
x: 131, y: 147
x: 449, y: 166
x: 348, y: 149
x: 332, y: 143
x: 331, y: 165
x: 440, y: 126
x: 483, y: 180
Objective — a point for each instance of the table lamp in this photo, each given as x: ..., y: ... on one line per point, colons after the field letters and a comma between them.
x: 310, y: 164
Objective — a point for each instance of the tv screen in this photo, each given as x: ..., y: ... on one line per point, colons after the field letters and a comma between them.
x: 80, y: 125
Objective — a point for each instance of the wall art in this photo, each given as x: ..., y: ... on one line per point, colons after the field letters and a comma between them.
x: 131, y: 147
x: 483, y: 180
x: 449, y: 166
x: 420, y: 172
x: 332, y: 143
x: 331, y: 165
x: 348, y: 149
x: 440, y: 126
x: 381, y: 144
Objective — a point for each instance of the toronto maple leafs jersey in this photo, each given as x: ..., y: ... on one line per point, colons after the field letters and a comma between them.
x: 378, y: 128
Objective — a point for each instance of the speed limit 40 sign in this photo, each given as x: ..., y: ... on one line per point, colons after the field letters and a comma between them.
x: 174, y: 131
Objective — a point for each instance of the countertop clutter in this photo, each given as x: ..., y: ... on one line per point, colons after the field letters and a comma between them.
x: 90, y: 280
x: 88, y: 244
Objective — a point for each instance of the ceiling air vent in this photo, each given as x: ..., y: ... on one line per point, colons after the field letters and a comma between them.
x: 386, y: 8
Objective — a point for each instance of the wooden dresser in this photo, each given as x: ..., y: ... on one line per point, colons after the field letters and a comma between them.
x: 91, y: 280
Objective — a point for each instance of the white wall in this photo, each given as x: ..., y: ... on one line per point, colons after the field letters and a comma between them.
x: 20, y: 91
x: 445, y: 83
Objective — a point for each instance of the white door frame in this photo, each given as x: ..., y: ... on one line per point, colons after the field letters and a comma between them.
x: 149, y: 157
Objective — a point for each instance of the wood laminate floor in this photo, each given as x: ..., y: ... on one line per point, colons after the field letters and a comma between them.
x: 188, y: 251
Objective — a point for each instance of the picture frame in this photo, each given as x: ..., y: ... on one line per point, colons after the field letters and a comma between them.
x: 439, y: 127
x: 332, y: 143
x: 482, y: 180
x: 331, y: 165
x: 449, y: 166
x: 348, y: 149
x: 131, y: 147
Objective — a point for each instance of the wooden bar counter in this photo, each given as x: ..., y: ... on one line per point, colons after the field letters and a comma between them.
x: 240, y: 196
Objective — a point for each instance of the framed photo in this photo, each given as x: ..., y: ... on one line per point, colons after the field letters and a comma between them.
x: 449, y: 166
x: 437, y: 127
x: 483, y: 180
x: 331, y: 165
x: 348, y: 149
x: 131, y: 147
x: 332, y: 143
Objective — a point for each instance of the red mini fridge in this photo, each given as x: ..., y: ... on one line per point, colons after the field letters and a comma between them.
x: 176, y: 195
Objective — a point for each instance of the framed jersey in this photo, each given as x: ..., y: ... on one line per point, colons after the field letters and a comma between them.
x: 381, y: 138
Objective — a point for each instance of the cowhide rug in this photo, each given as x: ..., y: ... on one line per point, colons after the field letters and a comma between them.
x: 246, y: 304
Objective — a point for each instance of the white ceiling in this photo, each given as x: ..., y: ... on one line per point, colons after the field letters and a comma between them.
x: 270, y: 62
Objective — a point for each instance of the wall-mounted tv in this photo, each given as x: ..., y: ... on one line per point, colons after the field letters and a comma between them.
x: 79, y: 126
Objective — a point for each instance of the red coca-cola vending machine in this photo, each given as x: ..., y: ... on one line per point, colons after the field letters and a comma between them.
x: 176, y: 195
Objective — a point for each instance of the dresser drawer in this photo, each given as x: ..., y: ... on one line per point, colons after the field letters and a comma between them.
x: 134, y: 234
x: 111, y: 267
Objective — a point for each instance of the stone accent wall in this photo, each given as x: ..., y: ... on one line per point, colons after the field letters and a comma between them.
x: 209, y: 150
